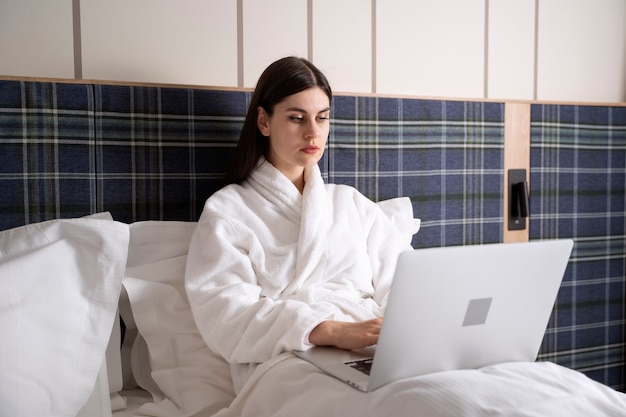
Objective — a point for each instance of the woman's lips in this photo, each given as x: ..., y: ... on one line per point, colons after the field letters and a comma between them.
x: 310, y: 149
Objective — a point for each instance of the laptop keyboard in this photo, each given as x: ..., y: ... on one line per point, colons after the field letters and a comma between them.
x: 362, y: 365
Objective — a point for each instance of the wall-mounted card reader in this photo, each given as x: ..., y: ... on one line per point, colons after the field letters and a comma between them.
x: 518, y: 199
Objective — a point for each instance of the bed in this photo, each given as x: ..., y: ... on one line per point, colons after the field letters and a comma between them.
x: 102, y: 184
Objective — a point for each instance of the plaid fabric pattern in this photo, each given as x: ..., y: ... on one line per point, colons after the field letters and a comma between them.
x: 161, y: 152
x: 46, y: 152
x: 578, y: 190
x: 447, y: 156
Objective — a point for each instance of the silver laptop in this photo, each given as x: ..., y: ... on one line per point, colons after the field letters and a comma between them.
x: 461, y: 307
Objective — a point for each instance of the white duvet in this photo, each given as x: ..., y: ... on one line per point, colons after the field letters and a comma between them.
x: 288, y: 386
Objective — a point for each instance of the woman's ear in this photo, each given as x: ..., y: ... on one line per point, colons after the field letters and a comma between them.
x: 262, y: 121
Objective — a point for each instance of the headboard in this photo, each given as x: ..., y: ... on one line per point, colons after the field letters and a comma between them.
x: 154, y: 152
x: 578, y: 178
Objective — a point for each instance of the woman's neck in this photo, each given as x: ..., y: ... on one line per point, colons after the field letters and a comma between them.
x: 299, y: 183
x: 295, y: 175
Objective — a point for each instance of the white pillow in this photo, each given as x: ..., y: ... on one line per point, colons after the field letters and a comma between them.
x: 189, y: 377
x: 400, y: 212
x: 112, y: 380
x: 99, y: 402
x: 59, y: 286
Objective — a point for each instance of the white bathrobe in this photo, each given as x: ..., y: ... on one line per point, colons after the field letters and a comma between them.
x: 267, y: 264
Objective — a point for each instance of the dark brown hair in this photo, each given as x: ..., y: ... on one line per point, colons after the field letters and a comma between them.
x: 281, y: 79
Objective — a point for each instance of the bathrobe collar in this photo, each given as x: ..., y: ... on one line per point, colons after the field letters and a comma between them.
x: 311, y: 209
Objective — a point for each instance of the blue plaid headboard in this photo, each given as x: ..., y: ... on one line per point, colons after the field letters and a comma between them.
x: 47, y: 152
x: 160, y: 152
x: 69, y: 149
x: 578, y: 190
x: 156, y: 153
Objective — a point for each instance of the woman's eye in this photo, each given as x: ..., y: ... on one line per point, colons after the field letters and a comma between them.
x: 296, y: 119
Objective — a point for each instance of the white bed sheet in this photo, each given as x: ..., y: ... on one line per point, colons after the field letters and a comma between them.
x: 288, y: 386
x: 135, y: 398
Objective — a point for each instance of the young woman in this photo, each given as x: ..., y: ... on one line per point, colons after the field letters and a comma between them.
x: 280, y: 260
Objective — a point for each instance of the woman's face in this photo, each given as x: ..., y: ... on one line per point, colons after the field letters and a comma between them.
x: 297, y: 131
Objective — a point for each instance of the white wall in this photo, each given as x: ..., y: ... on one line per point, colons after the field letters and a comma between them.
x: 511, y: 49
x: 342, y: 42
x: 587, y: 59
x: 182, y: 41
x: 432, y: 48
x: 565, y: 50
x: 36, y: 38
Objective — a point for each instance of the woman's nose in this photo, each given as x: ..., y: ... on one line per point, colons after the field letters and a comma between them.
x: 312, y: 130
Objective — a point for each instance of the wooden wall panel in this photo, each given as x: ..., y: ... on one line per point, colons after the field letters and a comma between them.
x: 516, y: 156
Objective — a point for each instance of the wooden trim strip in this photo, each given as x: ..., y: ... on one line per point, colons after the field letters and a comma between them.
x: 78, y: 48
x: 516, y: 156
x: 335, y: 93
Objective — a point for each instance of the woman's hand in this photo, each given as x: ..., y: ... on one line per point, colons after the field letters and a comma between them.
x: 346, y: 335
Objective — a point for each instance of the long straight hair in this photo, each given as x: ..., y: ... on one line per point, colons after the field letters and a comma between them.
x: 281, y: 79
